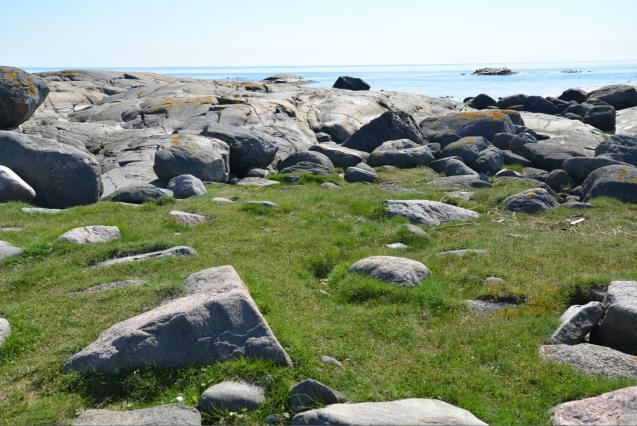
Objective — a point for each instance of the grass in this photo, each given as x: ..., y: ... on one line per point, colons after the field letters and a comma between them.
x: 394, y: 342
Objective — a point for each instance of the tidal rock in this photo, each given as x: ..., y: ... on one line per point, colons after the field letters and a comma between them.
x: 479, y: 123
x: 612, y: 181
x: 357, y: 174
x: 91, y: 234
x: 5, y: 330
x: 612, y: 408
x: 190, y: 219
x: 593, y: 359
x: 577, y: 322
x: 432, y: 213
x: 617, y: 328
x: 482, y: 101
x: 7, y: 250
x: 401, y: 412
x: 310, y: 394
x: 13, y: 188
x: 396, y: 270
x: 493, y: 71
x: 231, y: 396
x: 580, y: 167
x: 577, y: 95
x: 351, y: 83
x: 530, y: 201
x: 620, y: 96
x: 339, y: 155
x: 138, y: 194
x: 163, y: 415
x: 512, y: 101
x: 602, y: 117
x: 620, y: 148
x: 171, y: 252
x: 206, y: 158
x: 186, y: 186
x: 20, y: 95
x: 217, y: 320
x: 62, y: 176
x: 539, y: 104
x: 390, y: 126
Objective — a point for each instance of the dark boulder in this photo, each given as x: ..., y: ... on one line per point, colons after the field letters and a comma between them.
x: 489, y: 161
x: 351, y: 83
x: 559, y: 179
x: 306, y: 157
x: 621, y: 96
x: 549, y: 157
x: 559, y: 104
x: 601, y: 116
x: 507, y: 102
x: 530, y: 201
x: 509, y: 157
x: 577, y: 95
x: 475, y: 123
x: 468, y: 148
x: 619, y: 147
x: 339, y: 155
x: 138, y: 194
x: 20, y: 95
x: 541, y: 105
x: 390, y: 126
x: 482, y: 101
x: 455, y: 167
x: 580, y: 167
x: 402, y: 158
x: 612, y: 181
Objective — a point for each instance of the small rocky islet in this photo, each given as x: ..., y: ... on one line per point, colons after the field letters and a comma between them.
x: 73, y: 138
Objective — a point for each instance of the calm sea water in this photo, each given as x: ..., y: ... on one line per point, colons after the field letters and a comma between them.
x: 456, y: 81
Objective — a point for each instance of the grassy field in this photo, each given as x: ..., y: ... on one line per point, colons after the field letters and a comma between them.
x: 394, y: 342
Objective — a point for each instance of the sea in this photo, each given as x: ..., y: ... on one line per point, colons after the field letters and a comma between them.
x: 453, y: 81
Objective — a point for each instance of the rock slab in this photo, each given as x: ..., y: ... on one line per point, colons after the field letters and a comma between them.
x: 396, y: 270
x: 593, y: 359
x: 612, y: 408
x: 432, y: 213
x: 91, y: 234
x: 164, y: 415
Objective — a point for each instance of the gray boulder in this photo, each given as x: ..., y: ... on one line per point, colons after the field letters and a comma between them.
x: 559, y: 179
x: 593, y: 359
x: 396, y: 270
x: 357, y: 174
x: 467, y: 148
x: 401, y: 153
x: 612, y: 181
x: 171, y: 252
x: 620, y: 148
x: 613, y: 408
x: 620, y: 96
x: 467, y: 181
x: 310, y: 394
x: 257, y: 182
x: 308, y: 167
x: 577, y: 95
x: 62, y: 176
x: 530, y: 201
x: 404, y: 412
x: 580, y: 167
x: 577, y: 322
x: 339, y: 155
x: 217, y: 320
x: 564, y: 132
x: 20, y: 95
x: 481, y: 101
x: 617, y: 329
x: 432, y: 213
x: 351, y: 83
x: 91, y: 234
x: 207, y: 159
x: 163, y: 415
x: 231, y: 396
x: 186, y: 186
x: 7, y: 250
x: 489, y: 162
x: 455, y: 167
x: 480, y: 123
x: 138, y: 194
x: 190, y: 219
x: 539, y: 104
x: 390, y: 126
x: 626, y: 122
x: 5, y: 330
x: 548, y: 156
x: 311, y: 157
x: 13, y: 188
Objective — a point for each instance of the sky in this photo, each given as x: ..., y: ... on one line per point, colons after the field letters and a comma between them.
x: 193, y: 33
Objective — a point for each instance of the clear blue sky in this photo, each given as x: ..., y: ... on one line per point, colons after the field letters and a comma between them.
x: 162, y: 33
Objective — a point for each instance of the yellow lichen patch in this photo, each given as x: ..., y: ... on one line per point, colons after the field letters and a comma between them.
x: 625, y: 174
x: 12, y: 74
x: 494, y: 115
x: 170, y: 103
x: 175, y: 141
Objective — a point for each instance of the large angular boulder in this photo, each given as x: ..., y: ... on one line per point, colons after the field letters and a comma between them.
x: 602, y: 117
x: 626, y: 122
x: 467, y: 148
x: 217, y: 320
x: 620, y: 148
x: 612, y: 181
x: 20, y: 95
x: 163, y: 415
x: 407, y: 412
x: 390, y: 126
x: 205, y: 158
x: 593, y: 359
x: 455, y: 167
x: 231, y: 396
x: 539, y: 104
x: 159, y: 254
x: 549, y: 156
x: 432, y: 213
x: 577, y: 322
x: 13, y: 188
x: 617, y: 329
x: 564, y: 132
x: 396, y: 270
x: 62, y: 176
x: 91, y: 234
x: 339, y: 155
x: 620, y: 96
x: 530, y: 201
x: 613, y: 408
x: 351, y: 83
x: 478, y: 123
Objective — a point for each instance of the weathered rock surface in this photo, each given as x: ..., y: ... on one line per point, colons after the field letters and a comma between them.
x: 405, y: 156
x: 397, y: 270
x: 617, y: 329
x: 388, y: 127
x: 231, y: 396
x: 550, y: 156
x: 8, y: 250
x: 493, y: 71
x: 138, y: 194
x: 620, y: 96
x: 312, y: 157
x: 432, y: 213
x: 207, y: 159
x: 626, y: 121
x: 258, y: 182
x: 171, y: 252
x: 619, y: 147
x: 358, y: 174
x: 163, y: 415
x: 564, y: 132
x: 593, y: 359
x: 612, y: 408
x: 577, y: 323
x: 530, y: 201
x: 186, y: 186
x: 612, y: 181
x: 339, y: 155
x: 20, y: 95
x: 13, y: 188
x: 111, y: 286
x: 480, y: 123
x: 403, y: 412
x: 189, y: 218
x: 91, y: 234
x: 466, y: 181
x: 217, y: 320
x: 310, y: 394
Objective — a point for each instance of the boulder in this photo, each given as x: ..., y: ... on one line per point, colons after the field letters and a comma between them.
x: 62, y: 176
x: 577, y: 322
x: 613, y: 408
x: 535, y: 174
x: 580, y: 167
x: 310, y: 394
x: 190, y: 219
x: 91, y: 235
x: 467, y: 181
x: 5, y: 331
x: 171, y: 252
x: 308, y: 167
x: 205, y: 158
x: 410, y: 412
x: 258, y: 173
x: 20, y: 95
x: 621, y: 96
x: 477, y: 123
x: 539, y: 104
x: 620, y: 148
x: 626, y: 122
x: 311, y: 157
x: 511, y: 101
x: 339, y: 155
x: 8, y: 250
x: 186, y: 186
x: 576, y: 95
x: 258, y: 182
x: 564, y: 132
x: 432, y: 213
x: 163, y: 415
x: 617, y: 328
x: 509, y: 157
x: 396, y: 270
x: 390, y: 126
x: 482, y: 101
x: 231, y: 396
x: 530, y: 201
x: 612, y: 181
x: 216, y: 321
x: 489, y: 162
x: 592, y: 359
x: 548, y: 156
x: 455, y: 167
x: 357, y: 174
x: 602, y: 117
x: 559, y: 179
x: 467, y: 148
x: 138, y: 194
x: 351, y: 83
x: 389, y: 154
x: 13, y: 188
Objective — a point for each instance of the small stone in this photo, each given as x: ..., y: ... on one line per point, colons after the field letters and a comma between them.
x: 273, y: 418
x: 415, y: 230
x: 221, y: 200
x: 186, y: 186
x: 190, y: 219
x: 493, y: 280
x: 5, y: 330
x: 8, y: 250
x: 397, y: 246
x: 593, y: 359
x: 311, y: 393
x: 463, y: 252
x: 258, y: 182
x: 268, y: 204
x: 396, y: 270
x: 91, y: 235
x: 461, y: 195
x: 332, y: 361
x: 231, y: 396
x: 171, y: 252
x: 40, y: 210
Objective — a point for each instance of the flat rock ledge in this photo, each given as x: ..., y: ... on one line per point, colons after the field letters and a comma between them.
x: 396, y: 270
x: 216, y: 321
x: 163, y: 415
x: 592, y: 359
x: 612, y: 408
x: 432, y: 213
x: 92, y: 234
x: 401, y: 412
x: 171, y: 252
